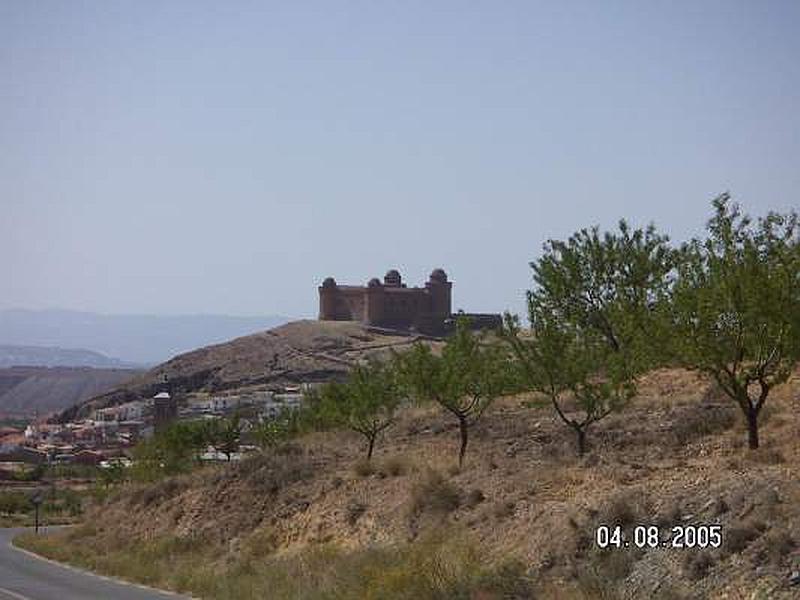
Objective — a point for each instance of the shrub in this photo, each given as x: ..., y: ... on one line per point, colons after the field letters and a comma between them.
x: 156, y: 493
x: 262, y: 542
x: 395, y: 466
x: 353, y: 511
x: 739, y: 537
x: 14, y: 502
x: 269, y: 473
x: 435, y: 494
x: 606, y: 568
x: 698, y: 564
x: 767, y: 456
x: 778, y: 544
x: 703, y: 420
x: 620, y: 511
x: 474, y: 497
x: 503, y: 510
x: 363, y: 468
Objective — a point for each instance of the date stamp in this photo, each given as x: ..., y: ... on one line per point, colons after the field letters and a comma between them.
x: 698, y: 536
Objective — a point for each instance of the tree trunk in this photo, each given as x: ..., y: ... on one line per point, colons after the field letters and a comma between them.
x: 371, y: 446
x: 581, y: 440
x: 752, y: 428
x: 462, y: 425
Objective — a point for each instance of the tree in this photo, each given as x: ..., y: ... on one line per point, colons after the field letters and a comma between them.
x: 113, y: 474
x: 605, y: 285
x: 365, y: 403
x: 171, y: 450
x: 185, y: 439
x: 464, y: 380
x: 224, y: 435
x: 735, y: 307
x: 560, y: 362
x: 592, y: 313
x: 274, y: 430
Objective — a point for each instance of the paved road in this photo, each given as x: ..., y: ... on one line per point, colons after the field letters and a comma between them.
x: 24, y: 577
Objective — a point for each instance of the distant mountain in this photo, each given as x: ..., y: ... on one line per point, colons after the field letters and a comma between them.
x: 25, y: 391
x: 141, y: 339
x: 38, y: 356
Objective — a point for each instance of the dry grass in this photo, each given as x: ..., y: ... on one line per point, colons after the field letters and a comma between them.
x: 441, y: 566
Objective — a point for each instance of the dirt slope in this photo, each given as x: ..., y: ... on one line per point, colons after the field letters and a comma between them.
x: 676, y: 456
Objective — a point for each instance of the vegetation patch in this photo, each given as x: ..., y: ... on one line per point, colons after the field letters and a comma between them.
x: 434, y: 493
x: 444, y: 565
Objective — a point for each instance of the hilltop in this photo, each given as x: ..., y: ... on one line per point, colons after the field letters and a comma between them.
x: 299, y: 352
x: 315, y: 522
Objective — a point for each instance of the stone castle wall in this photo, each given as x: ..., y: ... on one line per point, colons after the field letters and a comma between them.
x: 390, y: 303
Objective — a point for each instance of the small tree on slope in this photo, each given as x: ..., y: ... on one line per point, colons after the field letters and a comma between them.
x: 365, y: 403
x: 560, y: 363
x: 464, y: 380
x: 735, y: 308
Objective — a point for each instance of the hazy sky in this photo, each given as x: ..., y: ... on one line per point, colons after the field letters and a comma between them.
x: 224, y: 157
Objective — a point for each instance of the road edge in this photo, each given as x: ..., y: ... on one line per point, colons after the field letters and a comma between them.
x: 116, y: 580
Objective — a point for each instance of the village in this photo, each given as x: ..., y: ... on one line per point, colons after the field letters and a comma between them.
x: 110, y: 435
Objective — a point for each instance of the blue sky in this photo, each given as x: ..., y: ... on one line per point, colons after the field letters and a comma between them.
x: 224, y: 157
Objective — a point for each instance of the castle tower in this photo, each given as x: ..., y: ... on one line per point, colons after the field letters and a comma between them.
x: 327, y: 299
x: 392, y: 278
x: 374, y: 308
x: 440, y: 290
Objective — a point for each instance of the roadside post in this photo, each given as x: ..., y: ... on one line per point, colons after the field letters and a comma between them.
x: 36, y: 500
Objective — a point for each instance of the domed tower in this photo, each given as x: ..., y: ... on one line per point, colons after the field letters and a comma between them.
x: 441, y: 294
x: 374, y: 311
x: 392, y: 278
x: 328, y: 292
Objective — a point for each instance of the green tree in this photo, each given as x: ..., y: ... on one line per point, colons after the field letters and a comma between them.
x: 185, y: 440
x: 592, y: 314
x: 113, y: 474
x: 605, y: 285
x: 464, y: 379
x: 172, y: 450
x: 274, y: 430
x: 560, y: 363
x: 735, y: 307
x: 365, y: 403
x: 224, y: 435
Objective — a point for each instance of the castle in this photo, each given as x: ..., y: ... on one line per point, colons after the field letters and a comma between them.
x: 393, y: 305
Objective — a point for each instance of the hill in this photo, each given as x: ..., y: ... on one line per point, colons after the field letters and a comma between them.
x: 519, y: 521
x: 298, y: 352
x: 141, y: 339
x: 38, y: 356
x: 25, y: 391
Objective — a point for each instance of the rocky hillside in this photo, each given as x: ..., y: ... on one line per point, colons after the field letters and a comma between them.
x: 28, y: 390
x: 677, y: 456
x: 298, y: 352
